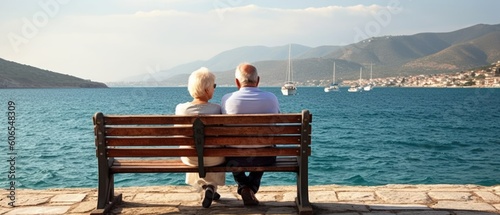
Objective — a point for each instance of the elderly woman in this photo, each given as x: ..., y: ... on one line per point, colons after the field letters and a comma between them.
x: 201, y: 86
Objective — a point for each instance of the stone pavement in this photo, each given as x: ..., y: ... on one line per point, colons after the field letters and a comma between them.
x: 328, y: 199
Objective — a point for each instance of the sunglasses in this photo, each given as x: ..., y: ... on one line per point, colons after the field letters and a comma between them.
x: 215, y: 85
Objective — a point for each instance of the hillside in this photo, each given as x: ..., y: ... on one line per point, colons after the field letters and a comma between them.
x: 15, y: 75
x: 423, y: 53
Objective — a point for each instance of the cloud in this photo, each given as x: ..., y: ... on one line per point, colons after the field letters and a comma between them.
x: 109, y: 44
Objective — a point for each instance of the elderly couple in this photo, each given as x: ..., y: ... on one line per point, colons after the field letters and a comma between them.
x: 248, y: 99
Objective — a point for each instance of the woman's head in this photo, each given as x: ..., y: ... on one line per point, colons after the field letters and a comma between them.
x: 201, y: 83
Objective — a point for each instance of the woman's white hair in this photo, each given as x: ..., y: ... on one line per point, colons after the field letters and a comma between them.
x: 199, y: 81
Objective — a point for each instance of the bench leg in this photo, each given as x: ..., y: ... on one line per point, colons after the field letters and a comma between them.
x: 114, y: 201
x: 302, y: 201
x: 106, y: 198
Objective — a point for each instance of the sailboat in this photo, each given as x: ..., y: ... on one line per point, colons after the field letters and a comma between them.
x: 289, y: 87
x: 333, y: 86
x: 357, y: 87
x: 370, y: 85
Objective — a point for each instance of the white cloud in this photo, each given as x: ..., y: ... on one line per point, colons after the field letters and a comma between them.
x: 110, y: 44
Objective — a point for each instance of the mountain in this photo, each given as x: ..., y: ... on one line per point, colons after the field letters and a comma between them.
x: 423, y: 53
x: 228, y: 59
x: 15, y: 75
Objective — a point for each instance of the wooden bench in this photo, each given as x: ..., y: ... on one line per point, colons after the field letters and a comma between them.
x: 150, y: 144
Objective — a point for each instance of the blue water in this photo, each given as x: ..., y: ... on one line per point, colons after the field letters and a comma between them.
x: 385, y: 136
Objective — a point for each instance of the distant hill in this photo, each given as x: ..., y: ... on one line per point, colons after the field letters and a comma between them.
x: 15, y: 75
x: 423, y: 53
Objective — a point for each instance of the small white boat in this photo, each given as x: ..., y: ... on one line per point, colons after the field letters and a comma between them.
x: 334, y: 87
x: 289, y: 87
x: 356, y: 87
x: 370, y: 85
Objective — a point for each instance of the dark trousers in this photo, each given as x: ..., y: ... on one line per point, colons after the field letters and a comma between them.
x: 251, y: 181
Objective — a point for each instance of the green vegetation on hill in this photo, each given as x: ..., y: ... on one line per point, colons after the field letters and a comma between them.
x: 15, y: 75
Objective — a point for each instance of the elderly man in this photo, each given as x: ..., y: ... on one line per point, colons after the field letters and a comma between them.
x: 249, y: 99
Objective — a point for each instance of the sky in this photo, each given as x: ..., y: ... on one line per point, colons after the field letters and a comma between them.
x: 111, y: 40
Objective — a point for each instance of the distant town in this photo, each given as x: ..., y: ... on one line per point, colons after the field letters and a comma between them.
x: 486, y: 77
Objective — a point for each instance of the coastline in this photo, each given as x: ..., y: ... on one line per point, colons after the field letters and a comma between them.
x: 438, y: 199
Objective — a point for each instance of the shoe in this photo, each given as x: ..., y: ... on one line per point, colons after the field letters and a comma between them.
x: 209, y: 196
x: 216, y: 196
x: 248, y: 197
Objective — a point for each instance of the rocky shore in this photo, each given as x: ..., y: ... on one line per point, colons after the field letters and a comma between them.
x: 326, y: 199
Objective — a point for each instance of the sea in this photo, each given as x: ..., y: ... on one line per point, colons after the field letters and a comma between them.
x: 383, y: 136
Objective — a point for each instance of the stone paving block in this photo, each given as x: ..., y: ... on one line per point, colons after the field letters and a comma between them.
x: 379, y: 213
x: 488, y: 196
x: 497, y: 206
x: 290, y: 196
x: 128, y: 196
x: 266, y: 197
x: 341, y: 207
x: 281, y: 210
x: 474, y: 213
x: 84, y: 207
x: 389, y: 207
x: 344, y: 213
x: 68, y: 198
x: 356, y: 196
x: 166, y: 197
x: 424, y: 213
x: 40, y: 210
x: 28, y: 200
x: 460, y: 205
x: 404, y: 197
x: 455, y: 196
x: 323, y: 196
x: 147, y: 210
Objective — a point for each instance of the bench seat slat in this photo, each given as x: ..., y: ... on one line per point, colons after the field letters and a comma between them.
x: 188, y: 141
x: 150, y: 141
x: 209, y: 152
x: 252, y: 130
x: 283, y: 164
x: 149, y: 131
x: 218, y: 131
x: 210, y: 140
x: 207, y: 120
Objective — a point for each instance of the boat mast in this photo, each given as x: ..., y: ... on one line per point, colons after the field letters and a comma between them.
x: 290, y: 74
x: 360, y: 71
x: 333, y: 80
x: 371, y: 72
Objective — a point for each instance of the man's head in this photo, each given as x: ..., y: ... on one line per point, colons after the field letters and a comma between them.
x: 246, y: 75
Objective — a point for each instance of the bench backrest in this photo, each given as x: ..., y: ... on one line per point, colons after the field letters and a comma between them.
x: 139, y: 136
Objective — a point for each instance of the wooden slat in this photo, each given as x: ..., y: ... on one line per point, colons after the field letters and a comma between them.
x: 208, y: 152
x: 283, y: 164
x: 149, y: 152
x: 211, y: 140
x: 147, y: 119
x: 252, y: 130
x: 250, y: 119
x: 177, y: 161
x: 148, y: 131
x: 150, y: 141
x: 207, y: 119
